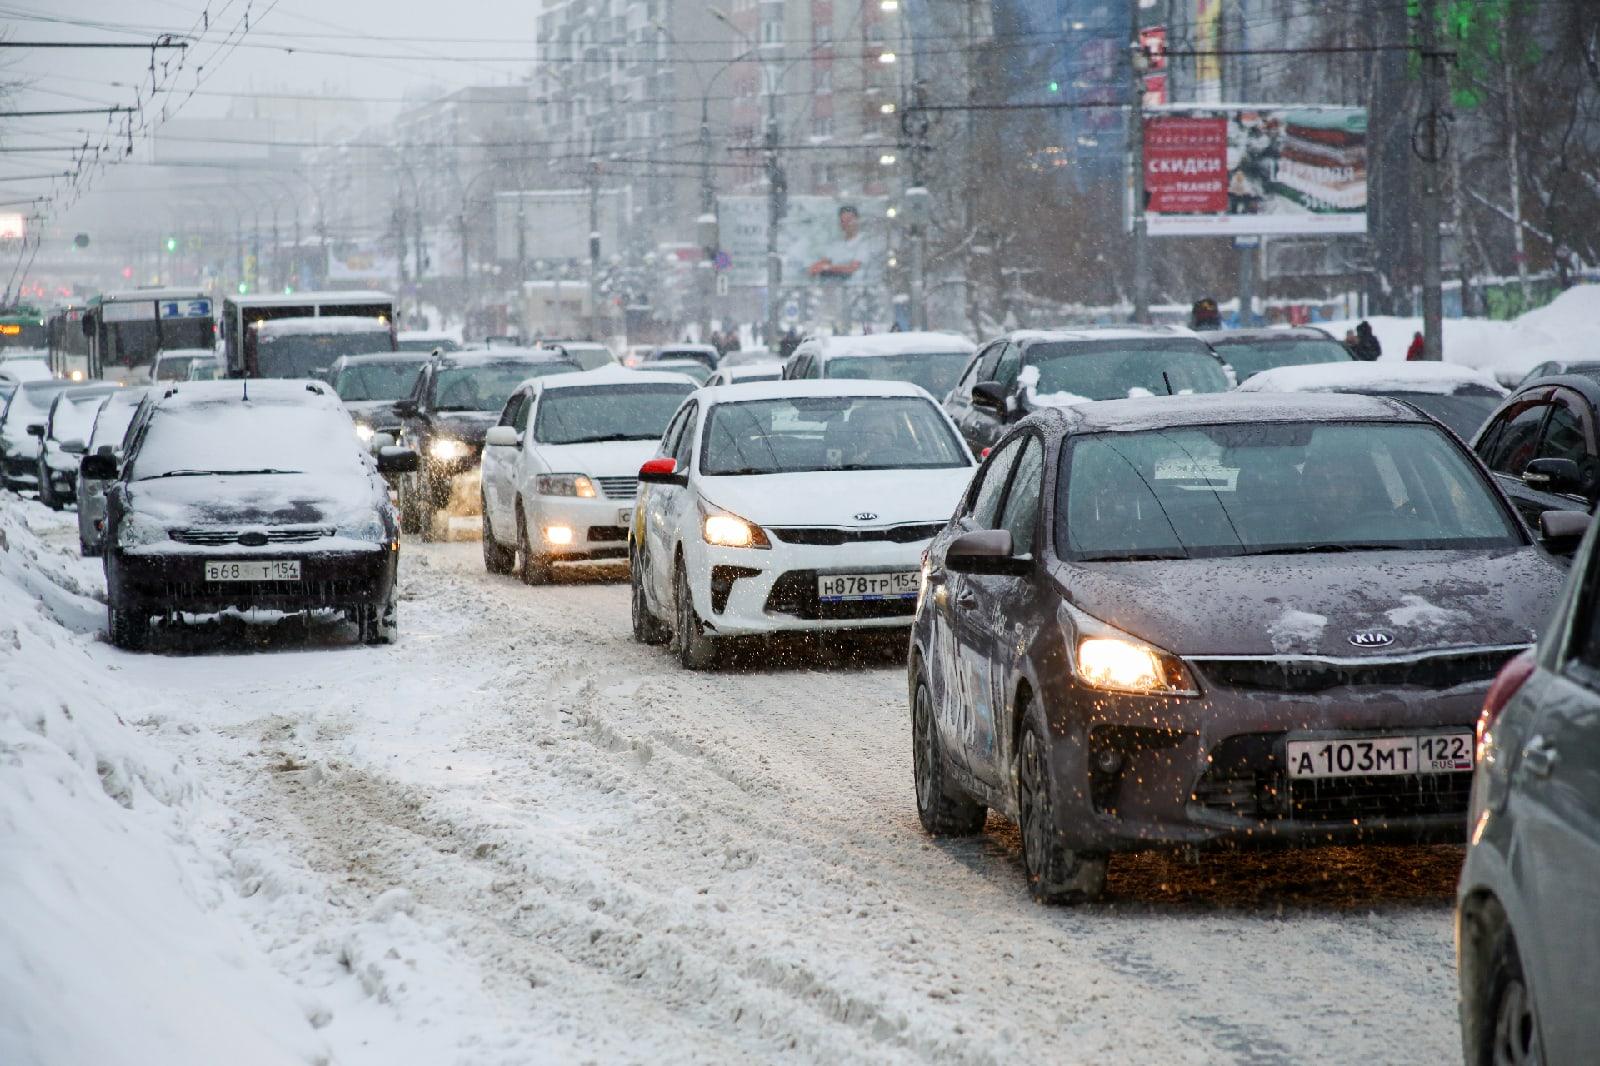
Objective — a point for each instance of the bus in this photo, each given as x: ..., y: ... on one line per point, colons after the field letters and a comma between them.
x: 242, y: 314
x: 22, y: 326
x: 119, y: 333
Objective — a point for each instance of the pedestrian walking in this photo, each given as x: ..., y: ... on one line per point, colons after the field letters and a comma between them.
x: 1366, y: 347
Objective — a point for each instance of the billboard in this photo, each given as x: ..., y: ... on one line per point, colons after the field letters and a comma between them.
x: 13, y: 227
x: 824, y: 241
x: 554, y: 223
x: 1238, y: 170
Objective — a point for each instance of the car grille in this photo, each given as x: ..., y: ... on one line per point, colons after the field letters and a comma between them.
x: 1436, y: 671
x: 607, y: 534
x: 618, y: 488
x: 830, y: 535
x: 795, y: 593
x: 1247, y: 780
x: 282, y: 535
x: 335, y: 593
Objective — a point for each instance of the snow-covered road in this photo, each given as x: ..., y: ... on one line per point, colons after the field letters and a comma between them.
x: 518, y: 837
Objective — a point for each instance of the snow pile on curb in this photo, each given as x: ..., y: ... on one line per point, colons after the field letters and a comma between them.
x: 114, y: 946
x: 1563, y: 329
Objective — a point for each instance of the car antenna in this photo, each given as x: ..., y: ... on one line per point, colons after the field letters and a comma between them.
x: 1167, y: 382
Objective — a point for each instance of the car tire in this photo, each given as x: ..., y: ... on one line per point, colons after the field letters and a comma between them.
x: 1501, y: 1024
x: 380, y: 623
x: 533, y: 569
x: 129, y: 629
x: 941, y: 806
x: 409, y: 521
x: 496, y: 558
x: 647, y: 628
x: 1056, y: 874
x: 695, y: 650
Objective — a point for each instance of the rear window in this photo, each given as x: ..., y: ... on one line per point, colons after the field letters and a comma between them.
x: 362, y: 381
x: 1059, y: 371
x: 935, y: 371
x: 487, y: 386
x: 607, y: 412
x: 1251, y: 358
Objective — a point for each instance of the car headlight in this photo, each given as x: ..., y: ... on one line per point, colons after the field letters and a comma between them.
x: 730, y: 531
x: 136, y: 530
x: 566, y: 485
x: 446, y: 448
x: 364, y: 433
x: 1112, y: 661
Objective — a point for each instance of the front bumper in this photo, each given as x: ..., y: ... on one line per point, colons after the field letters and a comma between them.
x: 1212, y: 770
x: 598, y: 527
x: 20, y: 470
x: 751, y: 591
x: 176, y: 582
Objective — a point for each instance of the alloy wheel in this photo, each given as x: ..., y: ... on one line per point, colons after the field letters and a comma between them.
x: 1035, y: 804
x: 1516, y: 1035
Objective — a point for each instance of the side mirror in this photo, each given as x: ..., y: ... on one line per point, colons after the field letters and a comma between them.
x: 36, y: 429
x: 990, y: 396
x: 73, y: 447
x: 1560, y: 531
x: 405, y: 408
x: 392, y: 460
x: 1547, y: 475
x: 501, y: 437
x: 662, y: 472
x: 985, y: 551
x: 98, y: 467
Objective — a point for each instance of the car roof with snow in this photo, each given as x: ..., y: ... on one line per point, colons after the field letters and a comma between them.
x: 668, y: 349
x: 779, y: 390
x: 1217, y: 408
x: 1441, y: 378
x: 1090, y: 334
x: 1226, y: 337
x: 918, y: 342
x: 330, y: 296
x: 182, y: 394
x: 609, y: 375
x: 387, y: 358
x: 498, y: 356
x: 299, y: 326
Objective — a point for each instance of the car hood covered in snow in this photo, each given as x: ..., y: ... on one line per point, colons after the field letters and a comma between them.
x: 1316, y: 604
x: 841, y: 497
x: 611, y: 458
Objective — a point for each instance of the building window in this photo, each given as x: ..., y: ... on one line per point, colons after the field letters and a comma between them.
x: 822, y: 78
x: 772, y: 32
x: 822, y: 126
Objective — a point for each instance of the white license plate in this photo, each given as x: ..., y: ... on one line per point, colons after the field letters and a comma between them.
x: 836, y: 588
x: 1430, y: 753
x: 625, y: 516
x: 255, y: 570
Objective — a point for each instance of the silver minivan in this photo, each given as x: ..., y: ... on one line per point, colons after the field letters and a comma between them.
x: 110, y: 426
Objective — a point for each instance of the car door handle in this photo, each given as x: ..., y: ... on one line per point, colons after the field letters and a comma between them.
x: 966, y: 601
x: 1539, y: 757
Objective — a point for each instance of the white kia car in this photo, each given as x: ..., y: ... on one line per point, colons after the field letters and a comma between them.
x: 790, y: 505
x: 559, y: 467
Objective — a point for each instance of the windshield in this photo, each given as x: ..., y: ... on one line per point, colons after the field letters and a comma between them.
x: 229, y: 436
x: 487, y: 386
x: 133, y: 343
x: 698, y: 371
x: 111, y: 425
x: 1269, y: 488
x: 74, y: 415
x: 1115, y: 370
x: 607, y: 412
x: 309, y: 355
x: 176, y: 367
x: 1250, y: 359
x: 377, y: 380
x: 1464, y: 412
x: 800, y: 433
x: 935, y: 371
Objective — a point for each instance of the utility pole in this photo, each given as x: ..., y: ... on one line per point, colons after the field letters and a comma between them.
x: 1432, y: 143
x: 1140, y: 62
x: 706, y: 224
x: 1514, y: 170
x: 777, y: 201
x: 594, y: 249
x: 466, y: 273
x: 914, y: 122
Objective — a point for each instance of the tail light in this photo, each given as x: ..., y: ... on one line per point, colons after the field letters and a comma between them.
x: 1511, y: 677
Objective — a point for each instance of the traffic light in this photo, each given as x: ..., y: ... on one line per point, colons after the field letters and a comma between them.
x: 243, y: 288
x: 172, y: 244
x: 1054, y: 86
x: 127, y: 272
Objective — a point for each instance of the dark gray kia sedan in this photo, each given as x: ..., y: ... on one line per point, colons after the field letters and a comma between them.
x: 1219, y: 620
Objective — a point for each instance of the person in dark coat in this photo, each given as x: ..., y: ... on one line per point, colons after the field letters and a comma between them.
x: 1367, y: 347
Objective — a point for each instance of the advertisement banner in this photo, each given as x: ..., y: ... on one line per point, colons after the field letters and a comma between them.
x: 1207, y: 41
x: 13, y: 227
x: 1277, y: 169
x: 824, y: 241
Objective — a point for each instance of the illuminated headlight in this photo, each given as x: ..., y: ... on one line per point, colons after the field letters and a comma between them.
x: 730, y: 531
x: 566, y: 485
x: 76, y: 375
x: 558, y: 534
x: 445, y: 449
x: 1110, y: 660
x: 364, y: 433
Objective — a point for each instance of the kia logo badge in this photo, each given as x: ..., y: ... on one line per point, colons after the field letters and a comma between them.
x: 1372, y: 638
x: 253, y: 538
x: 864, y: 516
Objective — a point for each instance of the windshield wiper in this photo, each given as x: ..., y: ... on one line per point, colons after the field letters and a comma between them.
x: 607, y: 438
x: 1313, y: 549
x: 215, y: 473
x: 1129, y: 557
x: 743, y: 471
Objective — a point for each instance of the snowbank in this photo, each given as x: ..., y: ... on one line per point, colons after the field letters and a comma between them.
x: 115, y: 946
x: 1566, y: 328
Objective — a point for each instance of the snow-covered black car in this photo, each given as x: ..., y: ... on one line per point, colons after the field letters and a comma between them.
x: 248, y: 494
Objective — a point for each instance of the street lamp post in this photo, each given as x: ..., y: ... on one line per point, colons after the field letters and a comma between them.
x: 1141, y: 252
